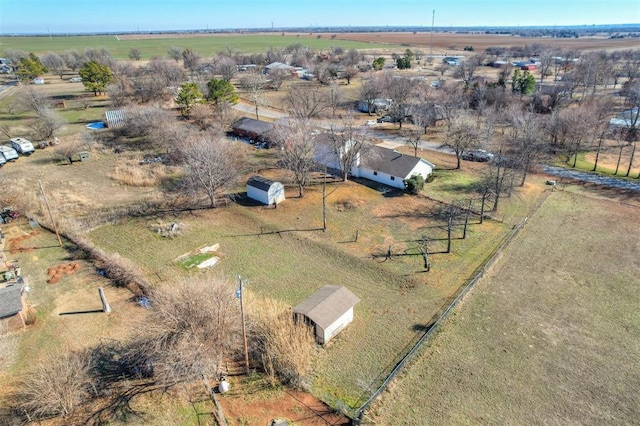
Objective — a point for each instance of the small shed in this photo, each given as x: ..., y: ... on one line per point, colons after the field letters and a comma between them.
x: 114, y: 118
x: 12, y: 307
x: 264, y: 190
x: 328, y: 310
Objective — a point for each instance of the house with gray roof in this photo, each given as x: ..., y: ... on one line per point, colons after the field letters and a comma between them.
x: 329, y: 310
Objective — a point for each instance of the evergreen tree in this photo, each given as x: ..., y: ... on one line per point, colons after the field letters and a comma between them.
x: 189, y: 96
x: 95, y: 77
x: 30, y: 67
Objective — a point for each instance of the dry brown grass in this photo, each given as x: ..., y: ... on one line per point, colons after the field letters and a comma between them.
x: 130, y: 172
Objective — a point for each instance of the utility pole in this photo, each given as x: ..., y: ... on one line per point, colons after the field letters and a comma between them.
x: 244, y: 329
x: 53, y: 222
x: 433, y: 19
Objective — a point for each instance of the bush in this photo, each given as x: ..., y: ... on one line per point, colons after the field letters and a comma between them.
x: 414, y: 184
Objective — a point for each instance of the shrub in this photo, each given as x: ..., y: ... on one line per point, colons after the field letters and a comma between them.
x: 414, y: 184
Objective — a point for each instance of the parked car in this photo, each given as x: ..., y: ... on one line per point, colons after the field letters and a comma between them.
x: 8, y: 153
x: 477, y: 155
x: 75, y: 80
x: 370, y: 122
x: 22, y: 146
x: 385, y: 119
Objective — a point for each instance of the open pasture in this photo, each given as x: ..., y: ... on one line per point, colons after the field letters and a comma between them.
x: 205, y: 45
x: 549, y: 336
x: 285, y: 255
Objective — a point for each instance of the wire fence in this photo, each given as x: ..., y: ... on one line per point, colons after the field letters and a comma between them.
x: 444, y: 312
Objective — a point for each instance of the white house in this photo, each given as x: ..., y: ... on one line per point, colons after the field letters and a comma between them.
x: 391, y: 167
x: 329, y: 310
x: 264, y: 190
x: 382, y: 165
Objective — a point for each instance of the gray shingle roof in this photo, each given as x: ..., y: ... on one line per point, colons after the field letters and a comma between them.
x: 389, y: 161
x: 10, y: 300
x: 326, y: 305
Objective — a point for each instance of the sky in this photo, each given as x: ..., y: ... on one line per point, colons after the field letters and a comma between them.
x: 82, y: 16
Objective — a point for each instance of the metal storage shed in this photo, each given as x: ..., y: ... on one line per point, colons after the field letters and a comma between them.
x: 264, y: 190
x: 329, y: 310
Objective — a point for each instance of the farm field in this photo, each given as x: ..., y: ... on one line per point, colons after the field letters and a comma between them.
x: 450, y: 42
x: 205, y: 45
x: 549, y: 336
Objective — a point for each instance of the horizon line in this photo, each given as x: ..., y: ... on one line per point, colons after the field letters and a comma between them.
x: 318, y: 29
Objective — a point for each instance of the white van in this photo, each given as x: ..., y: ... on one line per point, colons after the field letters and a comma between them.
x: 22, y: 145
x: 9, y: 153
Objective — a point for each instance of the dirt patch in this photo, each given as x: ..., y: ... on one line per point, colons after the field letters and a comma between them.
x: 15, y: 243
x: 54, y: 273
x: 296, y: 407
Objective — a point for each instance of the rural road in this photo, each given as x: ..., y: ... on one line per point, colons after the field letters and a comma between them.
x: 592, y: 178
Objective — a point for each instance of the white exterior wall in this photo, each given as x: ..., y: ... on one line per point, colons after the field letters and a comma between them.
x: 276, y: 193
x: 422, y: 168
x: 379, y: 177
x: 327, y: 334
x: 325, y: 155
x: 257, y: 194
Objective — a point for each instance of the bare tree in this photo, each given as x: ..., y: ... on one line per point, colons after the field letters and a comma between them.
x: 334, y: 97
x: 212, y: 165
x: 57, y: 386
x: 46, y: 124
x: 528, y: 141
x: 305, y: 101
x: 169, y: 72
x: 466, y: 70
x: 463, y: 135
x: 175, y: 53
x: 254, y: 84
x: 349, y: 142
x: 66, y: 149
x: 194, y: 323
x: 54, y: 62
x: 295, y: 139
x: 191, y: 60
x: 73, y: 59
x: 225, y: 66
x: 369, y: 91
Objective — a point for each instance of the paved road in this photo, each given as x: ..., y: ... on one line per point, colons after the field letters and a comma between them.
x: 592, y: 178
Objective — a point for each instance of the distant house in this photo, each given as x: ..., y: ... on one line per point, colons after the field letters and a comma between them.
x: 250, y: 128
x: 378, y: 164
x: 264, y: 190
x: 278, y: 66
x: 114, y: 118
x: 12, y: 306
x: 329, y: 310
x: 374, y: 106
x: 626, y: 119
x: 499, y: 64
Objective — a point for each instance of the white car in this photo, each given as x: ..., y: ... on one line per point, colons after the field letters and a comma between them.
x: 370, y: 123
x: 75, y: 80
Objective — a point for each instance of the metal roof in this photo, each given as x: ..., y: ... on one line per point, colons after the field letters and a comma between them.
x: 326, y: 305
x: 260, y: 182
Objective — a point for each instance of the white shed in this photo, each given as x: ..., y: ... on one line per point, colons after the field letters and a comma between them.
x: 328, y: 310
x: 264, y: 190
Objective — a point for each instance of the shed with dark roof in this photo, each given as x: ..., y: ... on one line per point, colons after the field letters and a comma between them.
x: 264, y: 190
x: 12, y: 307
x: 328, y: 310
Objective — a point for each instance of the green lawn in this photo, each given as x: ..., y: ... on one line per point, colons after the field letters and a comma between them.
x: 205, y: 46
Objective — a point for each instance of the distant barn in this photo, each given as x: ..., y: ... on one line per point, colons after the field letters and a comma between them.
x: 329, y: 310
x: 264, y: 190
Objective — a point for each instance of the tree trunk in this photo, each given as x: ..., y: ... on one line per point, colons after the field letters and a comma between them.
x: 619, y: 159
x: 595, y: 164
x: 633, y: 153
x: 301, y: 190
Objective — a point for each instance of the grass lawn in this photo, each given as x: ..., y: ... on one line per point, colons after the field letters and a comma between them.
x: 550, y: 336
x: 397, y: 298
x: 206, y: 46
